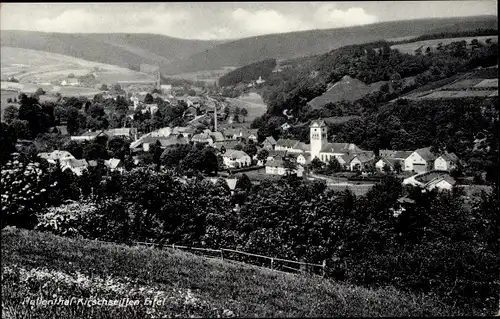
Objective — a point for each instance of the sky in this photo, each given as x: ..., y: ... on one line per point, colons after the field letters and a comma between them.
x: 224, y: 20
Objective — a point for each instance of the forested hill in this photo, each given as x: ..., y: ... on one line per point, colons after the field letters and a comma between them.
x: 249, y: 73
x: 296, y: 44
x: 122, y: 49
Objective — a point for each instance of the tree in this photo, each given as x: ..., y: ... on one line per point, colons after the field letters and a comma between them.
x: 398, y: 167
x: 71, y: 75
x: 263, y: 154
x: 148, y: 99
x: 118, y: 147
x: 95, y: 151
x: 244, y: 183
x: 250, y: 149
x: 8, y: 140
x: 75, y: 148
x: 238, y: 147
x: 386, y: 169
x: 103, y: 87
x: 10, y: 114
x: 244, y: 113
x: 333, y: 166
x: 39, y: 92
x: 290, y: 166
x: 316, y: 164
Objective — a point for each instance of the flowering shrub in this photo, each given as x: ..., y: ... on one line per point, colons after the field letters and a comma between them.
x: 66, y: 220
x: 24, y: 191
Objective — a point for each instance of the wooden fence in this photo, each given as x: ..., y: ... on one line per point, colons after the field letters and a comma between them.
x: 277, y: 264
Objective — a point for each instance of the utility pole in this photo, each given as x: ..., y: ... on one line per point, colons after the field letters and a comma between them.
x: 215, y: 117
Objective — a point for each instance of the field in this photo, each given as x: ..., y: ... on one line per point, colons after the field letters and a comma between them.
x: 37, y: 265
x: 410, y: 48
x: 44, y: 67
x: 4, y: 96
x: 208, y: 76
x: 253, y: 103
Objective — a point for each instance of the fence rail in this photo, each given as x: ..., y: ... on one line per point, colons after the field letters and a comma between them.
x: 277, y: 264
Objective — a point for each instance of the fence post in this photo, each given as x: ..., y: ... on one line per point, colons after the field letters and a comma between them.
x: 324, y: 265
x: 173, y: 246
x: 272, y: 263
x: 222, y: 254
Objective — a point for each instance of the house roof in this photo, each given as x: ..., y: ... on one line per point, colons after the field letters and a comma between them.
x: 112, y: 162
x: 317, y: 123
x: 75, y: 163
x: 217, y: 136
x: 389, y: 161
x: 402, y: 154
x: 127, y: 131
x: 303, y: 146
x: 55, y: 155
x: 275, y: 163
x: 438, y: 179
x: 63, y: 129
x: 341, y: 148
x: 227, y: 144
x: 449, y: 157
x: 426, y: 154
x: 173, y: 140
x: 274, y: 153
x: 270, y: 140
x: 235, y: 154
x: 284, y: 142
x: 200, y: 137
x: 363, y: 157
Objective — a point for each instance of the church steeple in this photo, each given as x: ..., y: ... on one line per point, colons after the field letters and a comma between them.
x: 318, y: 137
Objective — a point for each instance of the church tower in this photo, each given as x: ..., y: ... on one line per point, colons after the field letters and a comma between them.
x: 318, y: 137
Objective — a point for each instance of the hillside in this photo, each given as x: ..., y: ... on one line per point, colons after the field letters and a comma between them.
x: 39, y: 66
x: 126, y: 50
x: 184, y: 56
x: 347, y: 89
x: 296, y: 44
x: 185, y: 285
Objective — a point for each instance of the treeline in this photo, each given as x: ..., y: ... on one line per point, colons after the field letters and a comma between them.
x: 248, y: 73
x: 436, y: 246
x: 444, y: 35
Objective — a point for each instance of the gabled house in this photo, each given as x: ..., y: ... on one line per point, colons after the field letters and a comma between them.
x: 446, y: 162
x: 202, y: 138
x: 56, y: 155
x: 88, y: 136
x: 278, y: 167
x: 128, y: 132
x: 76, y: 166
x: 269, y: 143
x: 236, y: 159
x: 217, y: 136
x: 420, y: 161
x: 358, y: 161
x: 292, y: 146
x: 303, y: 160
x: 70, y: 82
x: 114, y: 164
x: 390, y: 162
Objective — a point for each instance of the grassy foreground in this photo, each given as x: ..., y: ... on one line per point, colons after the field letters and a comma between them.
x: 39, y: 265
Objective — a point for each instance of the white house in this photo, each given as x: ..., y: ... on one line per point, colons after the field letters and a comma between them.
x: 420, y: 161
x: 359, y: 161
x: 76, y: 166
x: 277, y: 167
x: 235, y: 159
x: 303, y: 160
x: 260, y: 80
x: 446, y: 162
x: 70, y: 82
x: 56, y: 155
x: 165, y: 132
x: 291, y: 146
x: 114, y: 164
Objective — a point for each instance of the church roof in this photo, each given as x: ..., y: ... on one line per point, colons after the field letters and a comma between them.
x: 340, y: 148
